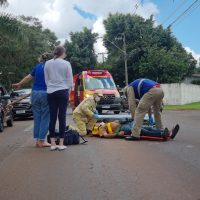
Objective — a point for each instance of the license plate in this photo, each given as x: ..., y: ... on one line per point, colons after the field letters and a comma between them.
x: 20, y: 111
x: 105, y: 106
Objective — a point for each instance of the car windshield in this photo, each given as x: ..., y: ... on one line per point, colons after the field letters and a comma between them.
x: 92, y: 83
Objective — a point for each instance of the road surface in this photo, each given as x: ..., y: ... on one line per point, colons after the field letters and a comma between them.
x: 104, y: 169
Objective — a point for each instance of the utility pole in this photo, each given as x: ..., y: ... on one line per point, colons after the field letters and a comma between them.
x: 124, y: 53
x: 103, y: 56
x: 123, y: 38
x: 125, y: 59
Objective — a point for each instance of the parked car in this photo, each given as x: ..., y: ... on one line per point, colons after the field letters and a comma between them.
x: 6, y: 114
x: 22, y: 109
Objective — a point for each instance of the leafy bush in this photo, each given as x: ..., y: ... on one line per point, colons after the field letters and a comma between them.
x: 196, y: 82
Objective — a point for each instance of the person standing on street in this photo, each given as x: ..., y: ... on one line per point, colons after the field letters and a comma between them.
x: 39, y: 101
x: 59, y: 79
x: 149, y: 93
x: 85, y: 114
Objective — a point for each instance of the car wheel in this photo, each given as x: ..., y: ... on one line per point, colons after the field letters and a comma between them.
x: 116, y: 112
x: 1, y: 124
x: 10, y: 122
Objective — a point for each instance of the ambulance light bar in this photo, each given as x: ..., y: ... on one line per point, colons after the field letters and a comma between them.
x: 96, y: 72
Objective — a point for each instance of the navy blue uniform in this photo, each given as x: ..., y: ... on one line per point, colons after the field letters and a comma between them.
x: 150, y: 95
x: 141, y: 86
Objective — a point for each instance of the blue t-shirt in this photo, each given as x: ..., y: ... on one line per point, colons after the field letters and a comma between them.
x: 141, y: 86
x: 38, y: 74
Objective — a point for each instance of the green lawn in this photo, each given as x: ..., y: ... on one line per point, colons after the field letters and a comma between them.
x: 191, y: 106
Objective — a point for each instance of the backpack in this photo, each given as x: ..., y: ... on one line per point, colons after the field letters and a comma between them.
x: 71, y: 137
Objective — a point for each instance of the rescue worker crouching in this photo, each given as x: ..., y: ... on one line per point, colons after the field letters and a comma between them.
x: 149, y: 93
x: 85, y: 114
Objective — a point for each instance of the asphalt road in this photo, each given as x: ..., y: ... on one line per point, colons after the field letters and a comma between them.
x: 104, y: 169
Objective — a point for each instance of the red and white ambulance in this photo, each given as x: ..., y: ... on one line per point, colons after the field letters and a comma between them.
x: 86, y: 82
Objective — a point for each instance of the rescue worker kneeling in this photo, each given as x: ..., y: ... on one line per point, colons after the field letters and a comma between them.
x: 85, y: 114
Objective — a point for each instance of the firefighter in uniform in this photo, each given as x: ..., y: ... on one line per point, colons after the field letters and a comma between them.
x: 150, y: 94
x: 85, y: 114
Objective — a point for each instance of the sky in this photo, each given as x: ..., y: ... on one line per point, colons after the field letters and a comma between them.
x: 65, y: 16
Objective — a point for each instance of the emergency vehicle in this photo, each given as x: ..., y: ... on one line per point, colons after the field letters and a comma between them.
x: 86, y: 82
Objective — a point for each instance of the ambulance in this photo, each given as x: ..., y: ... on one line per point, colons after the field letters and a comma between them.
x: 86, y: 82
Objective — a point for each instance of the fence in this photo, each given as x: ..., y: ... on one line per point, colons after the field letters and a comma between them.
x: 181, y: 93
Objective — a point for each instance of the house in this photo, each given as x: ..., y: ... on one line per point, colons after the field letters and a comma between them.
x: 193, y: 77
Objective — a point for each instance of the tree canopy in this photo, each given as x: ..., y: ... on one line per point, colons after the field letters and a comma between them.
x: 80, y: 50
x: 152, y: 51
x: 3, y: 2
x: 19, y: 56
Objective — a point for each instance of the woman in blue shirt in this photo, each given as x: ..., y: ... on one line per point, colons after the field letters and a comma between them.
x: 39, y: 100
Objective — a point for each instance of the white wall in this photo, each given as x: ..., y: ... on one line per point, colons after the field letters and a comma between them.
x: 180, y: 93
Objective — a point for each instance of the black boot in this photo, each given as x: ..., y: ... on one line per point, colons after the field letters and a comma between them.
x: 165, y: 135
x: 175, y: 131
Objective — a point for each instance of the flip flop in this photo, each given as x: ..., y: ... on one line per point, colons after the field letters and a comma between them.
x: 175, y: 131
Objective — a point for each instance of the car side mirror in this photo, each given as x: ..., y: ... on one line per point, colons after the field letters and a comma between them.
x: 14, y: 94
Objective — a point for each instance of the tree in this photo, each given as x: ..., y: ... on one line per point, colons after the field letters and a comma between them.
x: 80, y: 50
x: 3, y: 2
x: 153, y: 52
x: 22, y: 40
x: 153, y: 66
x: 11, y: 26
x: 17, y: 57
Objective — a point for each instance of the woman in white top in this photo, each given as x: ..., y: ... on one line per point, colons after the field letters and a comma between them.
x: 59, y: 79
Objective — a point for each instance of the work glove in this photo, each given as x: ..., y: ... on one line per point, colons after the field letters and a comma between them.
x: 96, y: 112
x: 95, y: 116
x: 151, y: 120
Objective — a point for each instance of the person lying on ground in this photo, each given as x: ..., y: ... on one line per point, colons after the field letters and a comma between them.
x: 116, y: 129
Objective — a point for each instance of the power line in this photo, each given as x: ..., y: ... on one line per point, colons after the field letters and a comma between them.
x: 137, y: 5
x: 195, y: 6
x: 183, y: 13
x: 188, y: 13
x: 174, y: 12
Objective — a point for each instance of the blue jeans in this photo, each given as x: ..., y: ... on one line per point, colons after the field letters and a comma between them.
x: 40, y: 109
x: 58, y: 107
